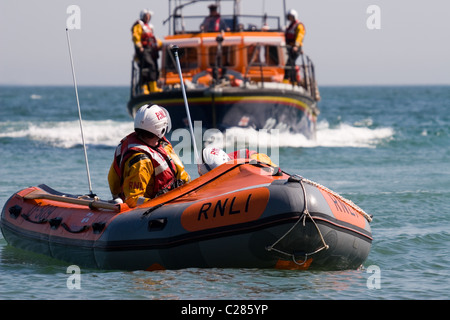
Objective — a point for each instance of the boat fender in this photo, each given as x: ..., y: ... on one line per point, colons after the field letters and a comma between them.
x: 15, y: 211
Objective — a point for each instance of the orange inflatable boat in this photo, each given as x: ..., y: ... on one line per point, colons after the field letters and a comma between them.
x: 241, y: 214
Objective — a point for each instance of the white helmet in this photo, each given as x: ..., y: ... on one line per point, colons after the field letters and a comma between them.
x: 154, y: 119
x: 293, y: 13
x: 212, y: 158
x: 144, y: 12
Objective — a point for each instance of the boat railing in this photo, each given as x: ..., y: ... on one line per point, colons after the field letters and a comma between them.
x: 135, y: 88
x: 307, y: 76
x: 304, y: 76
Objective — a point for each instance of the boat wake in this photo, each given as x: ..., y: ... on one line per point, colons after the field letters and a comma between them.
x: 343, y: 135
x: 66, y: 135
x: 346, y: 135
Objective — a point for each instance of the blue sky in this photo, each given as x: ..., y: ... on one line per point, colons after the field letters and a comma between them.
x: 411, y: 47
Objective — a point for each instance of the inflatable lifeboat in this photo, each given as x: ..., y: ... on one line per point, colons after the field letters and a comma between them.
x: 240, y: 215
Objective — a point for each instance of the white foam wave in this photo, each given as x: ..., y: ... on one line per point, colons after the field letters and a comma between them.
x: 343, y: 135
x: 67, y: 134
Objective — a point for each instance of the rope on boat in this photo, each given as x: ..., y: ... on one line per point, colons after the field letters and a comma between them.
x: 305, y: 214
x: 346, y: 201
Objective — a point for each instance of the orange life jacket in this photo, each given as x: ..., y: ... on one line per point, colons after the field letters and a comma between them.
x: 147, y: 37
x: 164, y: 169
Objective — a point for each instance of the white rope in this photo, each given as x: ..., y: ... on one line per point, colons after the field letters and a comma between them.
x: 346, y: 201
x: 304, y: 214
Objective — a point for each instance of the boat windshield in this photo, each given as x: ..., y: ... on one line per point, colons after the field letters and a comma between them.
x: 188, y: 57
x: 259, y: 54
x: 192, y: 24
x: 228, y: 57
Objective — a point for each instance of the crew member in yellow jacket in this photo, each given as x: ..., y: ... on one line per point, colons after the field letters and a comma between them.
x: 294, y: 35
x: 145, y: 164
x: 147, y: 48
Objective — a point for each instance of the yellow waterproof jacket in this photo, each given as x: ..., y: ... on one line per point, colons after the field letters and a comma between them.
x: 139, y: 177
x: 136, y: 32
x: 295, y: 34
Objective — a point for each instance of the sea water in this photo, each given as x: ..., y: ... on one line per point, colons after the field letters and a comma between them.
x: 385, y: 148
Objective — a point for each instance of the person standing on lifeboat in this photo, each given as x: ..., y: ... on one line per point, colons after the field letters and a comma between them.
x: 145, y: 164
x: 147, y: 48
x: 213, y: 22
x: 294, y: 35
x: 214, y: 157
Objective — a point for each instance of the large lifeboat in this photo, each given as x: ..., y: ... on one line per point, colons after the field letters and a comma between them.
x: 233, y: 78
x: 241, y: 214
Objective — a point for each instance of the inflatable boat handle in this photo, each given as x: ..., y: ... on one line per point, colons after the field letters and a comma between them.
x: 93, y: 204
